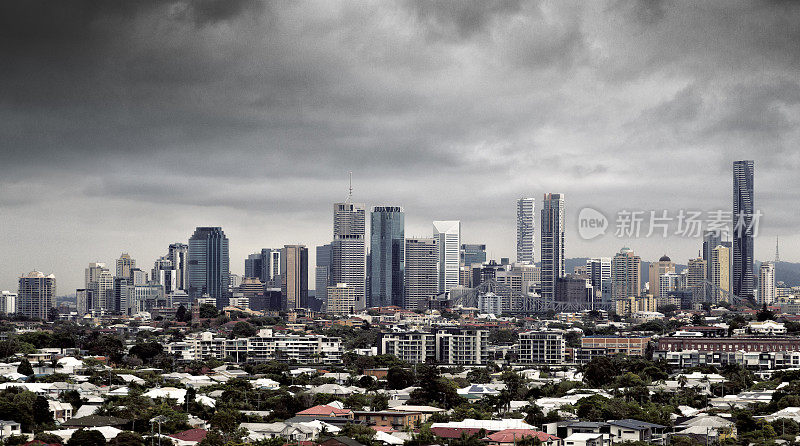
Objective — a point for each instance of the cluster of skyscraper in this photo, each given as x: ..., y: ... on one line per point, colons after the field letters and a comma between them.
x: 389, y: 269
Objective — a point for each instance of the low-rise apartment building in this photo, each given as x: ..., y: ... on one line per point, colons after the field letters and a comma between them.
x: 729, y: 344
x: 626, y: 345
x: 468, y: 346
x: 266, y: 346
x: 754, y: 360
x: 541, y: 347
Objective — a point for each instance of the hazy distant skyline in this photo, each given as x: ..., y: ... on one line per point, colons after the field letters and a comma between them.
x: 124, y: 125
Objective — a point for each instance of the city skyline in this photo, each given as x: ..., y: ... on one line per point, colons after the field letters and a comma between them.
x: 139, y: 137
x: 571, y: 235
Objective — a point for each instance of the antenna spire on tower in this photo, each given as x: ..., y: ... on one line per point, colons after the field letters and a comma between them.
x: 777, y: 256
x: 350, y: 190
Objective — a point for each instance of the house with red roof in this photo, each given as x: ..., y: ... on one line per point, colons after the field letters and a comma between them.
x: 190, y: 437
x: 510, y: 437
x: 325, y: 410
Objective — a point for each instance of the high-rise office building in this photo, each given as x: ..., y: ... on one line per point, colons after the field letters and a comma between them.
x: 209, y: 265
x: 526, y: 227
x: 599, y: 271
x: 272, y: 267
x: 472, y: 253
x: 124, y: 265
x: 322, y: 273
x: 552, y: 243
x: 254, y: 265
x: 348, y: 249
x: 626, y: 270
x: 766, y: 284
x: 669, y: 282
x: 294, y: 280
x: 696, y: 278
x: 265, y: 265
x: 341, y: 299
x: 387, y: 256
x: 178, y: 254
x: 92, y: 273
x: 165, y: 274
x: 743, y: 229
x: 448, y: 242
x: 123, y: 295
x: 720, y: 273
x: 422, y: 272
x: 36, y: 297
x: 99, y: 285
x: 656, y: 270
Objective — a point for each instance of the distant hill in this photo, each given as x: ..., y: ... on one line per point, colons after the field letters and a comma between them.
x: 786, y: 272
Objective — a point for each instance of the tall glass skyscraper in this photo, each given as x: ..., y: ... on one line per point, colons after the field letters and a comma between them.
x: 552, y: 243
x: 348, y: 250
x: 473, y: 253
x: 387, y: 256
x: 209, y: 265
x: 743, y: 228
x: 294, y: 277
x: 322, y: 273
x: 526, y: 228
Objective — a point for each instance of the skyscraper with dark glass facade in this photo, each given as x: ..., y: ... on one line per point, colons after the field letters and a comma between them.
x: 209, y: 265
x: 552, y: 243
x: 743, y: 228
x: 387, y: 259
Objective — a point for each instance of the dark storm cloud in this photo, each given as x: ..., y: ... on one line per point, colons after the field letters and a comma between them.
x: 166, y: 115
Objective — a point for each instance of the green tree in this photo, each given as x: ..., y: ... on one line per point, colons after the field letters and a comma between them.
x: 765, y: 314
x: 146, y: 351
x: 399, y: 378
x: 358, y: 432
x: 127, y: 438
x: 208, y: 311
x: 226, y: 420
x: 84, y: 437
x: 433, y: 389
x: 600, y: 371
x: 41, y: 411
x: 48, y: 438
x: 25, y: 368
x: 480, y: 375
x: 180, y: 314
x: 243, y: 329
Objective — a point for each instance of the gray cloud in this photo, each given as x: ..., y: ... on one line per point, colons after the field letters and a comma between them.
x: 125, y: 124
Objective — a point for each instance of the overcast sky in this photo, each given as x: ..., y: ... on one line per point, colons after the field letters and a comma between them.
x: 123, y: 125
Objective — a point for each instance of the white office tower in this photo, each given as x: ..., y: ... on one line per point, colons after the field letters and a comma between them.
x: 99, y: 283
x: 599, y: 271
x: 448, y: 242
x: 766, y: 283
x: 526, y: 225
x: 8, y: 302
x: 92, y: 273
x: 178, y: 254
x: 348, y: 250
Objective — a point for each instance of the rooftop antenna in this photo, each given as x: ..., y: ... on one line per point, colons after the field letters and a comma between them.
x: 350, y: 190
x: 777, y: 256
